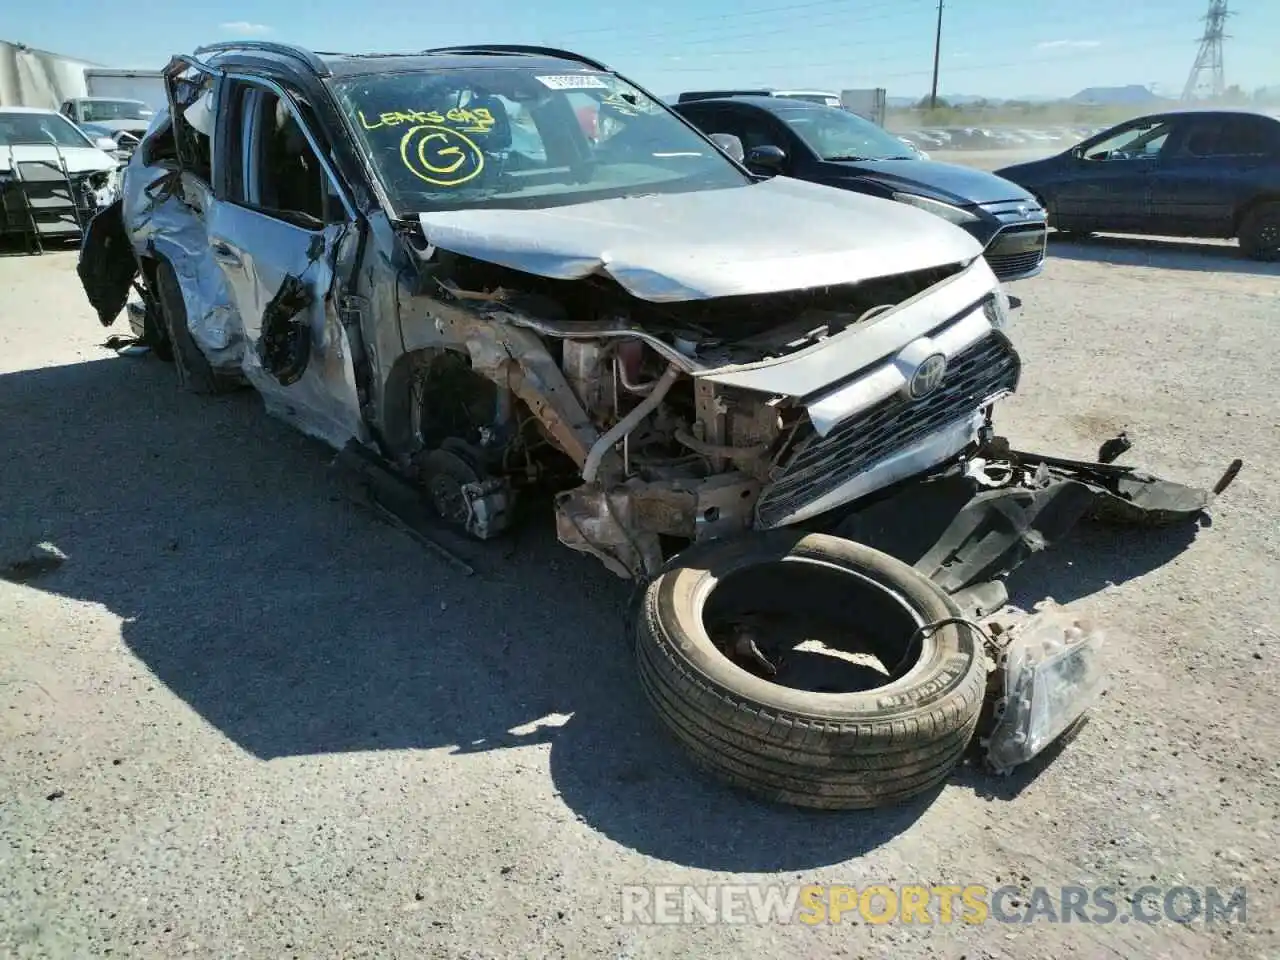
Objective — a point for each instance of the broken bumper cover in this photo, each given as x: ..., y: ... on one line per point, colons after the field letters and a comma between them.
x: 1025, y: 501
x: 888, y: 399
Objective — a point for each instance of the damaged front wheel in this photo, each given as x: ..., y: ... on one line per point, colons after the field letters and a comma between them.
x: 809, y: 669
x: 195, y: 373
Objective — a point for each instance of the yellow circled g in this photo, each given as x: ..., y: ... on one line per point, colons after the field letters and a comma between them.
x: 457, y: 152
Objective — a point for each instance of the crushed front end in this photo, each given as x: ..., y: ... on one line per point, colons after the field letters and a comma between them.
x: 691, y: 420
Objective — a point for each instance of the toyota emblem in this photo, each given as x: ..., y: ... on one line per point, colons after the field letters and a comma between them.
x: 928, y: 376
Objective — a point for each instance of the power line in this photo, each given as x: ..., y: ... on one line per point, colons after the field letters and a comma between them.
x: 681, y: 36
x: 975, y: 68
x: 757, y: 11
x: 1001, y: 30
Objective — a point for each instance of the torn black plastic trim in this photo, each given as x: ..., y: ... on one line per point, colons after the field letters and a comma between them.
x: 285, y: 346
x: 107, y: 266
x: 1041, y: 500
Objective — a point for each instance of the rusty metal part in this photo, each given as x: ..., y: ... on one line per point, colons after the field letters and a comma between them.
x: 592, y: 331
x: 512, y: 357
x: 711, y: 426
x: 602, y: 524
x: 623, y: 428
x: 640, y: 389
x: 715, y: 451
x: 585, y: 367
x: 497, y: 295
x: 621, y: 527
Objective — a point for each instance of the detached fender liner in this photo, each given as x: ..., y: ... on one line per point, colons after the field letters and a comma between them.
x: 854, y: 750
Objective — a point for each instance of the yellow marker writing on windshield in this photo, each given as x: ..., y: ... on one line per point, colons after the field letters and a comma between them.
x: 440, y: 155
x: 468, y: 119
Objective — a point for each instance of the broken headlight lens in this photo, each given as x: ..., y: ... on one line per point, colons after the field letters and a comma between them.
x: 944, y: 210
x: 1052, y: 675
x: 997, y: 310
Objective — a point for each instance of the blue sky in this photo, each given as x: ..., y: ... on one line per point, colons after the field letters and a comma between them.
x: 990, y: 47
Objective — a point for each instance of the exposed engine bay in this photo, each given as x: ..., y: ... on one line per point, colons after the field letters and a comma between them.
x: 619, y: 403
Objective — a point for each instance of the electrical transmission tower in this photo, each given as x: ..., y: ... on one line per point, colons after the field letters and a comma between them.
x: 1209, y: 57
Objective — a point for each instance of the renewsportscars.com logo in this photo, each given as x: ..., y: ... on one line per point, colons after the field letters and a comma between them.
x: 936, y: 904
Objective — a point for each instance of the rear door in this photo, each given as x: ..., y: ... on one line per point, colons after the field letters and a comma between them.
x: 280, y: 214
x: 1208, y: 174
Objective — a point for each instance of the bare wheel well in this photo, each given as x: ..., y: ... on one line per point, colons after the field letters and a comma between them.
x: 403, y: 393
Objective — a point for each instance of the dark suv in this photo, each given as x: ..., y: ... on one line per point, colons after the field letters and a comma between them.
x: 831, y: 146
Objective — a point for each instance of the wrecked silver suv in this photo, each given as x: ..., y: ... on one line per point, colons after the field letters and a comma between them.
x: 501, y: 268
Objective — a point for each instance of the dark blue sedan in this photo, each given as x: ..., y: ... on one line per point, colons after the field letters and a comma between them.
x: 827, y: 145
x: 1200, y: 173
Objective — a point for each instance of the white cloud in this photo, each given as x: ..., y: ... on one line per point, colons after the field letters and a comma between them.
x: 244, y: 28
x: 1067, y: 44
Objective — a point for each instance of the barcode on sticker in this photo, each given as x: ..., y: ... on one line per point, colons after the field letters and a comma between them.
x: 575, y: 81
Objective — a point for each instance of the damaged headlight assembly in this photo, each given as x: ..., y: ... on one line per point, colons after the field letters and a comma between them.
x: 1049, y: 675
x: 946, y: 211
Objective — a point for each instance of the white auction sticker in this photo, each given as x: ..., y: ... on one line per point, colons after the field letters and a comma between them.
x: 575, y: 81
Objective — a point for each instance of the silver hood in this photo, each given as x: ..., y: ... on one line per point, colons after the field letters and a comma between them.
x: 84, y: 159
x: 780, y: 234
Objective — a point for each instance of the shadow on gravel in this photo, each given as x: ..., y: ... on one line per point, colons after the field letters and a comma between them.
x: 1159, y: 252
x: 295, y: 624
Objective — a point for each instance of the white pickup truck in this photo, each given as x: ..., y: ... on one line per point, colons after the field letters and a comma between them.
x: 120, y: 104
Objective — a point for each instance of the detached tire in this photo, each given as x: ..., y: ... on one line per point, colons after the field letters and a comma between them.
x: 1260, y: 233
x: 828, y: 750
x: 195, y: 373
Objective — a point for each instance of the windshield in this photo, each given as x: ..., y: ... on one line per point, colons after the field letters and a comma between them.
x: 28, y: 128
x: 840, y: 135
x: 96, y: 111
x: 516, y: 137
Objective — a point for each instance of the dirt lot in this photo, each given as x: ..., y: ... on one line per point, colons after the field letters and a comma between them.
x: 244, y: 718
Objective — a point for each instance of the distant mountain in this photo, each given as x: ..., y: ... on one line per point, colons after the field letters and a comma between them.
x: 1132, y: 95
x: 966, y: 99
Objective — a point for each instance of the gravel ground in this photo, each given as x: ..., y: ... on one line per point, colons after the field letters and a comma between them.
x: 243, y: 718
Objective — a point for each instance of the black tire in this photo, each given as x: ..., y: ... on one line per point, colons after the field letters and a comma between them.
x: 195, y: 374
x: 825, y: 750
x: 1260, y: 232
x: 155, y: 334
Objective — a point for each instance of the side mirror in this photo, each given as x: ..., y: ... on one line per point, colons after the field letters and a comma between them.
x: 1077, y: 153
x: 730, y: 145
x: 767, y: 158
x: 105, y: 143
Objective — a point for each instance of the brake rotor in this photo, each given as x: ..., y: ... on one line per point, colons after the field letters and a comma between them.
x: 444, y: 474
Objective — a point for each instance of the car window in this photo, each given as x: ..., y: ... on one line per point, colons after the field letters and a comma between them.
x: 1137, y: 142
x: 754, y: 128
x: 272, y: 165
x: 96, y: 111
x: 1230, y: 137
x: 835, y: 134
x: 194, y: 93
x: 519, y: 137
x: 44, y: 128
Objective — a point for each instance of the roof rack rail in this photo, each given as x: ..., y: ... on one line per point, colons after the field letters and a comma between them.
x: 268, y: 46
x: 522, y: 48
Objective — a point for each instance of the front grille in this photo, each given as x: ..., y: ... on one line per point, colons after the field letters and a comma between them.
x: 1010, y: 265
x: 819, y: 465
x: 1015, y: 252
